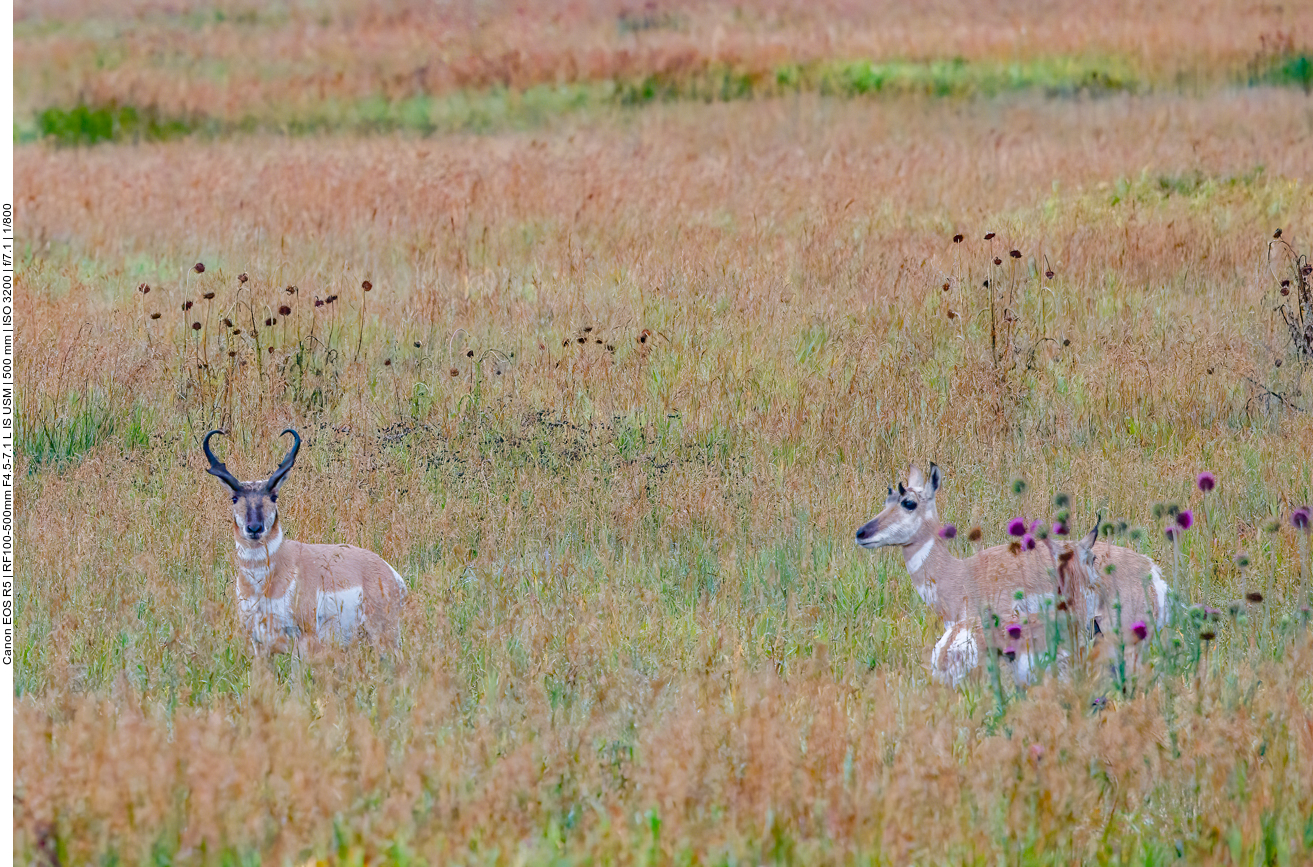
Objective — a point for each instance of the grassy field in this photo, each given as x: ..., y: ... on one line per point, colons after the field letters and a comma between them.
x: 661, y: 299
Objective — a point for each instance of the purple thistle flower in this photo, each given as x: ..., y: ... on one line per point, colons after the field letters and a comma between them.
x: 1028, y: 542
x: 1017, y: 527
x: 947, y: 532
x: 1299, y: 519
x: 1172, y: 533
x: 1059, y: 528
x: 1014, y: 631
x: 1206, y: 481
x: 1139, y: 630
x: 1037, y: 527
x: 1184, y: 519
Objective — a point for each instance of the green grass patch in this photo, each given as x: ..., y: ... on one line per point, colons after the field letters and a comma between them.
x: 88, y: 125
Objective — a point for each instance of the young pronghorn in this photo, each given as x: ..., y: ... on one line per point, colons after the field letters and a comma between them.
x: 292, y: 594
x: 1020, y: 586
x: 1011, y: 581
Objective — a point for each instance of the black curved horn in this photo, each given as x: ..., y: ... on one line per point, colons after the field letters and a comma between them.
x: 216, y: 466
x: 277, y: 478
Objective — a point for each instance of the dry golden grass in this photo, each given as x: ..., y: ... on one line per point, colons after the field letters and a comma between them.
x: 234, y: 60
x: 639, y: 629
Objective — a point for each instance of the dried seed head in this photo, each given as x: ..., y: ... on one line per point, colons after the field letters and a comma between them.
x: 1015, y: 254
x: 1253, y: 596
x: 1048, y: 274
x: 227, y: 323
x: 196, y: 326
x: 1285, y: 290
x: 957, y: 239
x: 154, y: 316
x: 284, y: 310
x: 587, y: 328
x: 952, y: 314
x: 469, y: 353
x: 144, y: 289
x: 270, y: 322
x: 330, y: 299
x: 242, y: 278
x: 1207, y: 635
x: 565, y: 342
x: 946, y: 287
x: 187, y: 305
x: 998, y: 261
x: 975, y: 534
x: 1277, y: 362
x: 454, y: 372
x: 271, y: 350
x: 417, y: 344
x: 581, y: 340
x: 610, y: 347
x: 290, y: 290
x: 1276, y: 234
x: 366, y: 285
x: 199, y: 267
x: 989, y: 236
x: 319, y: 302
x: 387, y: 362
x: 207, y: 295
x: 232, y: 353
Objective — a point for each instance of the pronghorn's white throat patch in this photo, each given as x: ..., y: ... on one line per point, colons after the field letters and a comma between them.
x: 919, y: 556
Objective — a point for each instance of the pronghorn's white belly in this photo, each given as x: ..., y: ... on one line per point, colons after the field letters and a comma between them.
x: 267, y: 620
x: 956, y: 654
x: 338, y: 613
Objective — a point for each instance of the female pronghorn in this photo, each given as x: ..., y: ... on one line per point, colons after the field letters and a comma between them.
x: 291, y: 594
x: 1015, y: 584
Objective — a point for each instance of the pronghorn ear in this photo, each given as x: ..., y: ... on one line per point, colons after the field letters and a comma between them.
x: 1093, y: 535
x: 934, y: 479
x: 915, y: 478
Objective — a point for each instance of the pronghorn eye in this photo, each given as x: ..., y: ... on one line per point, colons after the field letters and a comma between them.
x: 273, y: 498
x: 234, y: 498
x: 909, y: 505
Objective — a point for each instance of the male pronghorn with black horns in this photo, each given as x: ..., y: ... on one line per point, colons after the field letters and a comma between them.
x: 291, y: 595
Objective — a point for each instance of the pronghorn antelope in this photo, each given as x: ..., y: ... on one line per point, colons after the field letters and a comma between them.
x: 290, y: 595
x: 1009, y: 581
x: 1015, y: 584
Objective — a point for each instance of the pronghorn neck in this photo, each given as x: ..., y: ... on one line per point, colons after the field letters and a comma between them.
x: 932, y: 567
x: 256, y: 561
